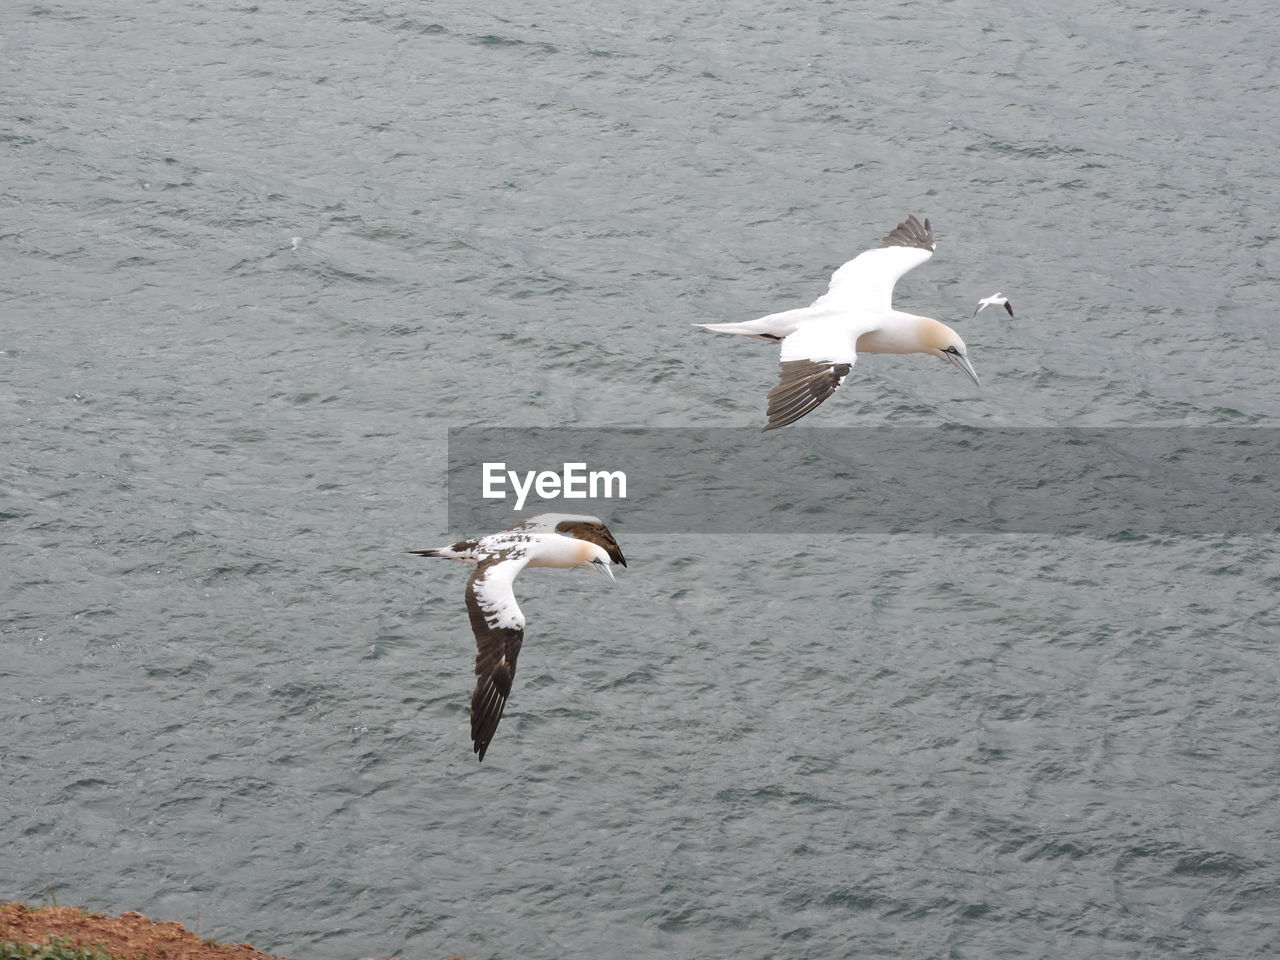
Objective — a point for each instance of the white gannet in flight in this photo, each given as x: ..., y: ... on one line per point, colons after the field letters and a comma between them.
x: 820, y: 342
x: 995, y: 300
x: 547, y: 540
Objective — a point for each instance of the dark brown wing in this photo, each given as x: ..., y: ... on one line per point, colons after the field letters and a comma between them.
x: 803, y: 385
x: 910, y: 233
x: 498, y: 625
x: 593, y: 532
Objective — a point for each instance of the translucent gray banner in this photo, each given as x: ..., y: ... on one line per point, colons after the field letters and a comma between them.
x: 949, y: 479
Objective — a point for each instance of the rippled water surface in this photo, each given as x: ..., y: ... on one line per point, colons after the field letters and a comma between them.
x: 257, y: 259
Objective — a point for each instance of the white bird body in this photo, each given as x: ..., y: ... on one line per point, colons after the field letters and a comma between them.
x: 547, y: 540
x: 820, y: 342
x: 531, y: 550
x: 900, y: 333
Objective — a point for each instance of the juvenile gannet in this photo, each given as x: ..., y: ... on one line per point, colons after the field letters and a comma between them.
x: 820, y: 342
x: 547, y: 540
x: 995, y: 300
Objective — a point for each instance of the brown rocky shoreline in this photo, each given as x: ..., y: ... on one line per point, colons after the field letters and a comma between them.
x: 127, y: 936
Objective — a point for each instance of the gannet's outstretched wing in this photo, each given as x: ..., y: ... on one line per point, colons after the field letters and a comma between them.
x: 814, y: 362
x: 498, y: 624
x: 866, y: 282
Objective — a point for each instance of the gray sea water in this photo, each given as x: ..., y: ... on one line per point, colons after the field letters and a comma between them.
x: 257, y: 259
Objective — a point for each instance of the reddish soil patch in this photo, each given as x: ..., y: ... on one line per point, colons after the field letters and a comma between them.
x: 126, y: 936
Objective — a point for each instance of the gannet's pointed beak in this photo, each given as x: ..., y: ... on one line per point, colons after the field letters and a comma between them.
x: 961, y: 361
x: 605, y: 569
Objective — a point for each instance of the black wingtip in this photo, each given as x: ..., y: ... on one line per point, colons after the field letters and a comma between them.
x: 1009, y: 306
x: 911, y: 233
x: 802, y: 386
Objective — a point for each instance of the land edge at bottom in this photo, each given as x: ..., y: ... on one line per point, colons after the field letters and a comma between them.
x: 125, y: 937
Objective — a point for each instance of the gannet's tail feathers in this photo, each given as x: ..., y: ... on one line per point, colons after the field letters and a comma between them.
x: 737, y: 328
x: 772, y: 328
x: 462, y: 550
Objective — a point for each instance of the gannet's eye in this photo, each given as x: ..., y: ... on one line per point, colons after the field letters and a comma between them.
x: 952, y: 350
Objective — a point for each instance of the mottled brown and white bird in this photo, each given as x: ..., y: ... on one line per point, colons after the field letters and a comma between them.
x: 820, y: 342
x: 547, y: 540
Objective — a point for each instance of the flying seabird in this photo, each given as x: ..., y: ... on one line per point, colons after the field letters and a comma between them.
x: 995, y: 300
x: 547, y: 540
x: 820, y: 342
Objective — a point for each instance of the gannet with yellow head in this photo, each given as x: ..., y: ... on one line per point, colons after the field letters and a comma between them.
x: 820, y: 342
x: 547, y: 540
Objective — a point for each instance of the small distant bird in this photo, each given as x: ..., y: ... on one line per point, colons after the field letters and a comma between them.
x: 547, y: 540
x: 995, y: 300
x: 820, y: 342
